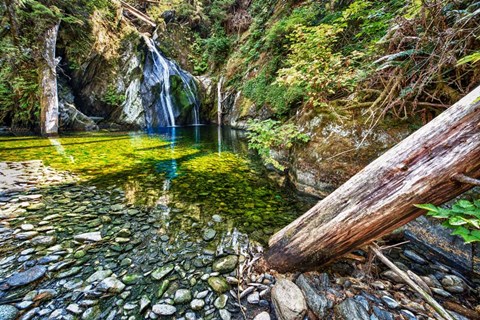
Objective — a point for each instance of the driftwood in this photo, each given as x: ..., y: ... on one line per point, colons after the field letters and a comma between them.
x: 428, y: 298
x: 381, y: 197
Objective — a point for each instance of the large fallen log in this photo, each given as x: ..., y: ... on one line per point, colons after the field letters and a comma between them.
x: 138, y: 14
x: 423, y: 168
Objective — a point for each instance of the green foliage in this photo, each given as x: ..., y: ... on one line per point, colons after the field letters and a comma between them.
x: 463, y: 217
x: 266, y: 135
x: 217, y: 47
x: 471, y: 58
x: 112, y: 97
x: 264, y: 91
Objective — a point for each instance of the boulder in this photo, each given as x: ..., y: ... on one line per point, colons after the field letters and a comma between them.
x: 288, y: 300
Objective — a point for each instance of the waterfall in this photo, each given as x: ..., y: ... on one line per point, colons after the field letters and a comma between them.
x: 168, y: 102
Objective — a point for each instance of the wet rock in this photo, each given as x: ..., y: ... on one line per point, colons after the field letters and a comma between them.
x: 389, y: 274
x: 74, y: 308
x: 209, y: 234
x: 197, y: 304
x: 68, y: 273
x: 412, y: 255
x: 253, y: 298
x: 164, y: 309
x: 111, y: 284
x: 161, y: 272
x: 8, y: 312
x: 382, y: 314
x: 26, y: 235
x: 351, y: 309
x: 144, y: 303
x: 316, y: 300
x: 92, y: 313
x: 26, y: 277
x: 225, y: 314
x: 88, y: 237
x: 163, y: 287
x: 218, y: 284
x: 225, y: 264
x: 441, y: 292
x: 453, y: 284
x: 408, y: 315
x: 391, y: 303
x: 182, y: 296
x: 221, y: 301
x: 44, y: 240
x: 131, y: 278
x: 262, y: 316
x: 99, y: 276
x: 27, y: 227
x: 288, y: 300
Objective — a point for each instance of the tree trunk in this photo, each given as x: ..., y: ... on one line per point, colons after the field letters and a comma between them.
x: 12, y: 18
x: 47, y: 65
x: 380, y: 198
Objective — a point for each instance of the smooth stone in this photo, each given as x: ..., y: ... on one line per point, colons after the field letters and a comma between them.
x: 79, y: 254
x: 225, y: 264
x: 164, y: 309
x: 111, y: 284
x: 313, y: 288
x: 253, y: 298
x: 26, y: 235
x: 74, y: 308
x: 8, y: 312
x: 209, y: 234
x: 92, y: 313
x: 382, y: 314
x: 408, y: 315
x: 182, y: 296
x: 197, y: 304
x: 453, y: 284
x: 391, y: 303
x: 288, y: 300
x: 163, y: 287
x: 202, y: 294
x: 190, y: 316
x: 216, y: 218
x: 262, y: 316
x: 24, y: 305
x: 71, y: 272
x: 351, y: 309
x: 218, y: 284
x: 441, y: 292
x: 26, y: 277
x: 44, y: 240
x: 221, y: 301
x: 131, y: 278
x: 99, y: 276
x: 27, y: 227
x: 89, y: 236
x: 159, y: 273
x: 225, y: 314
x: 389, y: 274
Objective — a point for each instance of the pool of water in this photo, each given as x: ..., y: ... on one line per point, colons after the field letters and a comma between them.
x: 154, y: 221
x: 195, y: 172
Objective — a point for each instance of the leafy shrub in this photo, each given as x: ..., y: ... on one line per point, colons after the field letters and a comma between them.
x: 112, y: 97
x: 463, y: 218
x: 266, y: 135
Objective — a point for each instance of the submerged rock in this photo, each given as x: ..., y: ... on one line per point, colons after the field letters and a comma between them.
x: 288, y: 300
x: 225, y: 264
x: 164, y: 309
x: 26, y: 277
x: 8, y: 312
x: 89, y: 236
x: 218, y: 284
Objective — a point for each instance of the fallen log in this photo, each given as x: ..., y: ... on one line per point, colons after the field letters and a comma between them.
x: 138, y: 14
x: 380, y: 198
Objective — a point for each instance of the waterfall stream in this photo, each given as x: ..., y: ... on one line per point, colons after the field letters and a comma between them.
x: 169, y: 93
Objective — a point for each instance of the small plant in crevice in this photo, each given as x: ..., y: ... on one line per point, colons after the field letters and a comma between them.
x: 266, y: 135
x: 463, y: 217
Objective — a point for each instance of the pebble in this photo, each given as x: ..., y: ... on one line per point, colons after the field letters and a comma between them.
x: 88, y: 237
x: 164, y: 309
x: 209, y: 234
x: 221, y: 301
x: 225, y: 314
x: 8, y: 312
x: 218, y: 284
x: 74, y: 308
x: 412, y: 255
x: 253, y: 298
x: 99, y: 276
x: 262, y: 316
x: 182, y: 296
x: 111, y: 284
x: 197, y: 304
x: 26, y: 277
x: 391, y: 303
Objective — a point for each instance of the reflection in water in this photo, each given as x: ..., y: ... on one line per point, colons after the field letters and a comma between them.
x: 194, y: 172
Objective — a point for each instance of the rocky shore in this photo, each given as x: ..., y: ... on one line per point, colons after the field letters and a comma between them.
x: 73, y: 251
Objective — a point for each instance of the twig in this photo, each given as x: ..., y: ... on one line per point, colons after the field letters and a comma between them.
x: 430, y: 300
x: 466, y: 179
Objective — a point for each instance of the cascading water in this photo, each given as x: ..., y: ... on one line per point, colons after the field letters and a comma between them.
x: 169, y: 94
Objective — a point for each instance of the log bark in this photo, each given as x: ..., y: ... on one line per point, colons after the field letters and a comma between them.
x: 138, y: 14
x: 381, y: 197
x: 47, y: 65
